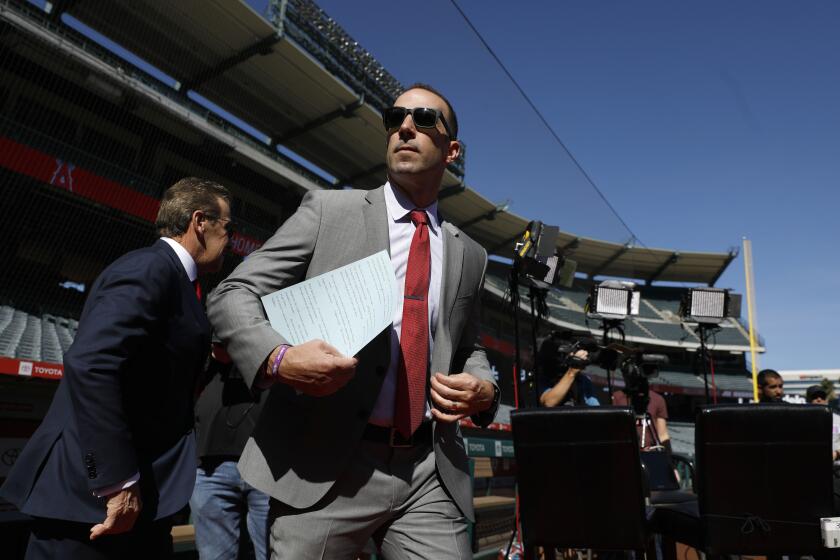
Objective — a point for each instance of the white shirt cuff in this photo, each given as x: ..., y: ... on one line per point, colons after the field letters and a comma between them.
x: 114, y: 488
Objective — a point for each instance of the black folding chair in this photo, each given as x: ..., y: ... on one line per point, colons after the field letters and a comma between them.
x: 764, y: 478
x: 580, y: 479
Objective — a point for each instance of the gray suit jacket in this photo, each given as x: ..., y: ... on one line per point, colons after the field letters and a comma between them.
x: 301, y: 444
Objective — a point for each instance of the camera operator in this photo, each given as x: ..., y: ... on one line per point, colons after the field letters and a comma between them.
x: 557, y: 353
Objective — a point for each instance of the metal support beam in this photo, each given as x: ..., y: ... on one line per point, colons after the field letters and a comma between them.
x: 573, y: 244
x: 353, y: 178
x: 345, y: 111
x: 673, y: 258
x: 262, y: 47
x: 732, y: 254
x: 451, y: 191
x: 58, y: 7
x: 614, y: 257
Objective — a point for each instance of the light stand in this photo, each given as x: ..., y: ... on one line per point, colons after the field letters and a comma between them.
x: 538, y: 242
x: 612, y: 301
x: 707, y: 306
x: 513, y: 288
x: 539, y: 309
x: 608, y: 325
x: 702, y: 331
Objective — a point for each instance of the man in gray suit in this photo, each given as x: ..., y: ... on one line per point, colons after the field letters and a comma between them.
x: 353, y: 448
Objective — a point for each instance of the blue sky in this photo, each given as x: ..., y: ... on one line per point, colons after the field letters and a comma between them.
x: 702, y: 123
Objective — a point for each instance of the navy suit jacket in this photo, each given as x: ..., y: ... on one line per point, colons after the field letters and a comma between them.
x: 125, y: 404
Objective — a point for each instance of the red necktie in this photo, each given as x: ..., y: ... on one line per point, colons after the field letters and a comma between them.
x: 414, y: 333
x: 197, y: 289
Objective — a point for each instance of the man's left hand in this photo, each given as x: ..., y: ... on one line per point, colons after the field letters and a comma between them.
x: 459, y: 396
x: 122, y: 511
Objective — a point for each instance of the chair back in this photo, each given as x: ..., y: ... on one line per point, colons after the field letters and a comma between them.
x: 579, y: 477
x: 764, y: 477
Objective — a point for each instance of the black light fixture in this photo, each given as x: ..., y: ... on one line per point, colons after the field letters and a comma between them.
x: 705, y: 305
x: 613, y: 300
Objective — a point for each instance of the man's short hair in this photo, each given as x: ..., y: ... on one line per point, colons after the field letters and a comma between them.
x: 185, y: 197
x: 765, y: 373
x: 452, y: 121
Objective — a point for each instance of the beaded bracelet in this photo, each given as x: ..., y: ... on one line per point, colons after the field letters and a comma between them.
x: 275, y: 365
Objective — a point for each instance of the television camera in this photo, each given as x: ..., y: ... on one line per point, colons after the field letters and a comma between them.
x: 557, y: 353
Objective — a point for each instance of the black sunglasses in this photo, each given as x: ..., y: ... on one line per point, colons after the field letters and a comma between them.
x: 423, y: 117
x: 228, y: 223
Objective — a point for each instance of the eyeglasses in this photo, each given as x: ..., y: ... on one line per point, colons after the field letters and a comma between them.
x: 423, y: 117
x: 229, y: 224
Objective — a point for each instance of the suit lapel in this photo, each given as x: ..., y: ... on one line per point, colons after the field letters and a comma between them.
x: 376, y: 222
x: 377, y: 238
x: 453, y: 262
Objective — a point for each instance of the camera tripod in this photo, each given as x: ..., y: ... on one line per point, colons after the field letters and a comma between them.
x: 645, y: 422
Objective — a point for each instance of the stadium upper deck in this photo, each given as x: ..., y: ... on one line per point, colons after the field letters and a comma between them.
x: 89, y: 124
x: 310, y: 87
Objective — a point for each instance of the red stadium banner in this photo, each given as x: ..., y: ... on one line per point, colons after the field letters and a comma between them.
x: 30, y: 368
x: 77, y: 180
x: 66, y: 175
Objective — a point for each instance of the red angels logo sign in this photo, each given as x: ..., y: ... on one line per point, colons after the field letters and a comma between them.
x: 63, y: 175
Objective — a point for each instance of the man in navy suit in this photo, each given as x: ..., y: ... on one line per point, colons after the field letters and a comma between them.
x: 115, y: 456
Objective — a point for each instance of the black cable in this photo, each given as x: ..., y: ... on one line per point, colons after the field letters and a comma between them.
x: 545, y: 123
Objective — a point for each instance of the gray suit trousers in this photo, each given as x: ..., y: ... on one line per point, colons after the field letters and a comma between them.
x: 392, y: 495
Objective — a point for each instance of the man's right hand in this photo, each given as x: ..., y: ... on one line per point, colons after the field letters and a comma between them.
x: 582, y: 355
x: 314, y: 368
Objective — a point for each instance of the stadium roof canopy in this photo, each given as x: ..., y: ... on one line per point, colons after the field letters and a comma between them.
x: 498, y: 230
x: 264, y: 74
x: 303, y: 81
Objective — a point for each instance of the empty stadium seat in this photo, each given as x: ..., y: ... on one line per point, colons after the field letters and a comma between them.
x: 29, y: 345
x: 50, y: 346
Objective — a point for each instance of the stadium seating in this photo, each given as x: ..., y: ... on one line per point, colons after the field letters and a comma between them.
x: 50, y: 346
x: 28, y: 337
x: 658, y: 313
x: 11, y: 335
x: 669, y: 331
x: 29, y: 346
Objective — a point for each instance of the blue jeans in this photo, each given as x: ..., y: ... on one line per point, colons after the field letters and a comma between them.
x: 219, y: 501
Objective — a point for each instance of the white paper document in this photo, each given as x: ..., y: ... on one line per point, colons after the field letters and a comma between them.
x: 346, y: 307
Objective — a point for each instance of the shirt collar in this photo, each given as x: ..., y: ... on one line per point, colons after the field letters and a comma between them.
x: 399, y: 206
x: 183, y: 255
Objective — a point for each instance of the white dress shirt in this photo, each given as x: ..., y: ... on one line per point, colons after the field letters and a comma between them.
x: 192, y: 272
x: 400, y: 233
